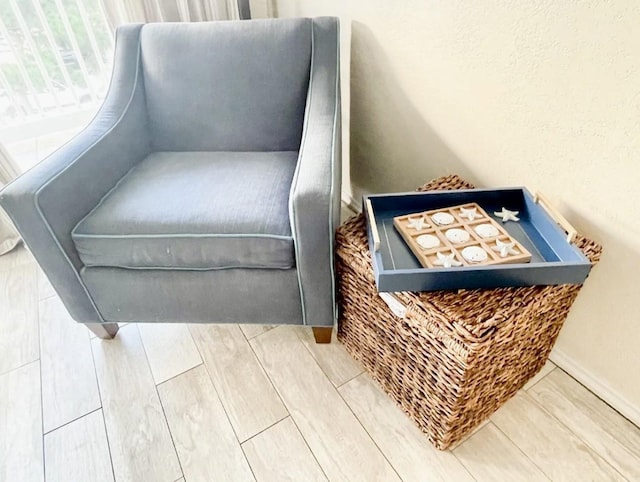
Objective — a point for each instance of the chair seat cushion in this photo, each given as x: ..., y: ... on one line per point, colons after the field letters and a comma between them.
x: 194, y: 210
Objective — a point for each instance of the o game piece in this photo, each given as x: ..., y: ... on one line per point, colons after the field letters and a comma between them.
x: 474, y: 254
x: 486, y: 230
x: 442, y: 219
x: 428, y: 241
x: 457, y: 236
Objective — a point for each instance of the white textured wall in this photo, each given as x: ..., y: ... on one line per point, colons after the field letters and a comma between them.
x: 544, y: 94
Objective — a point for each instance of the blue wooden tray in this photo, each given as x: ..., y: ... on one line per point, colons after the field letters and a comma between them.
x: 554, y: 259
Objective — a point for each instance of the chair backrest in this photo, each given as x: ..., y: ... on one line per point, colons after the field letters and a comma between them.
x: 232, y: 85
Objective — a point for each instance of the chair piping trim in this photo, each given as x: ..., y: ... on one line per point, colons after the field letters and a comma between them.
x: 181, y: 268
x: 332, y: 188
x: 332, y: 230
x: 296, y: 175
x: 38, y: 192
x: 73, y: 231
x: 179, y: 235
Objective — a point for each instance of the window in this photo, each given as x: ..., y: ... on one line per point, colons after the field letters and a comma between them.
x: 54, y: 68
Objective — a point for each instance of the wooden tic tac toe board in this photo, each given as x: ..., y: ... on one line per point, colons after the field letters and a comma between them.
x: 463, y: 235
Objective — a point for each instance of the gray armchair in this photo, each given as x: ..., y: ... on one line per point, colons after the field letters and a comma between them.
x: 206, y: 189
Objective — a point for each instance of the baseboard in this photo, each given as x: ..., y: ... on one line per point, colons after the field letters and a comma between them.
x: 354, y: 200
x: 600, y: 388
x: 348, y: 201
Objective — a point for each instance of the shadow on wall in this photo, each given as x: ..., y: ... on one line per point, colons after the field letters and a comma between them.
x: 613, y: 298
x: 393, y: 148
x: 603, y: 316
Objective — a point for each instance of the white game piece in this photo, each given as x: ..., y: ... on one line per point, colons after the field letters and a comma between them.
x: 446, y: 260
x: 505, y: 249
x: 474, y: 254
x: 428, y: 241
x: 457, y: 235
x: 442, y: 219
x: 469, y: 213
x: 418, y: 223
x: 486, y: 230
x: 507, y: 215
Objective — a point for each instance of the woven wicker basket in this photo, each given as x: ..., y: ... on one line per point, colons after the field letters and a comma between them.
x: 456, y: 356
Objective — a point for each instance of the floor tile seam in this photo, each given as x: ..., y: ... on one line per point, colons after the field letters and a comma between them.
x: 6, y: 372
x: 186, y: 325
x: 367, y: 432
x: 157, y: 384
x: 217, y: 393
x: 71, y: 421
x: 44, y: 461
x: 288, y: 410
x: 306, y: 443
x: 579, y: 437
x: 320, y: 366
x: 224, y: 410
x: 619, y: 414
x: 561, y: 426
x: 164, y: 414
x: 542, y: 378
x: 490, y: 422
x: 248, y: 338
x: 104, y: 421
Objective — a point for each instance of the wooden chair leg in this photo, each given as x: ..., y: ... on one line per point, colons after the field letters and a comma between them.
x: 322, y: 334
x: 106, y: 331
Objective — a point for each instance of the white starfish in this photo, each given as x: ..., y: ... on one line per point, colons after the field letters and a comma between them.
x: 505, y: 249
x: 446, y: 260
x: 417, y: 223
x: 469, y: 213
x: 507, y: 215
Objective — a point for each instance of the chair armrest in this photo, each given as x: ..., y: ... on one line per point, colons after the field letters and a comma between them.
x: 46, y: 202
x: 314, y: 203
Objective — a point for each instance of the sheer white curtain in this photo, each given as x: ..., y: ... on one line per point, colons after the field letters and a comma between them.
x: 130, y: 11
x: 141, y: 11
x: 9, y: 238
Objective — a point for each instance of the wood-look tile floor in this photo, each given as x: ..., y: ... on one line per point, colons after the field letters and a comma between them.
x: 212, y: 403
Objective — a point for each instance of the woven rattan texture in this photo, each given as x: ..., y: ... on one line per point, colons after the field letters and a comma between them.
x: 456, y: 356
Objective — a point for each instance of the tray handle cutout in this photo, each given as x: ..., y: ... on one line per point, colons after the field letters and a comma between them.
x: 373, y: 225
x: 539, y: 198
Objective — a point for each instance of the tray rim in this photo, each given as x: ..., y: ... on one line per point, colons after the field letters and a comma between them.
x: 580, y: 261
